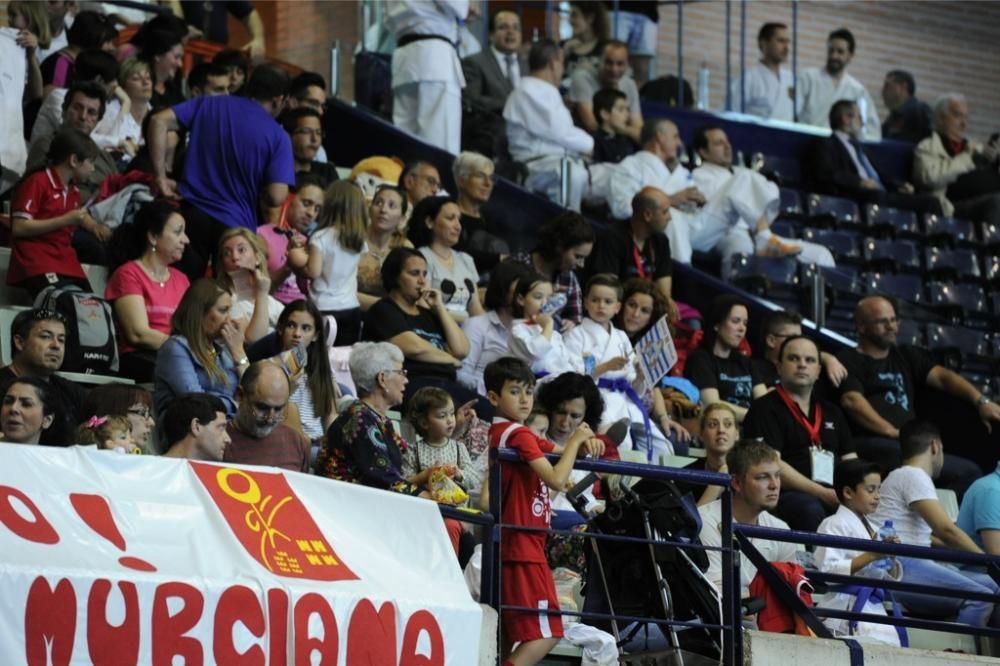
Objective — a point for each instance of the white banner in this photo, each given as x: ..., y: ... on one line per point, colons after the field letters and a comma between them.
x: 113, y: 559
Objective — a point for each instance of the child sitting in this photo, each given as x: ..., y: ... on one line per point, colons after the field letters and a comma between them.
x: 111, y: 433
x: 607, y: 356
x: 857, y: 483
x: 46, y: 214
x: 611, y: 111
x: 431, y: 412
x: 525, y: 576
x: 533, y: 336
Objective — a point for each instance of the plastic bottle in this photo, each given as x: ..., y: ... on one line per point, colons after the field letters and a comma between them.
x: 886, y: 532
x: 703, y: 85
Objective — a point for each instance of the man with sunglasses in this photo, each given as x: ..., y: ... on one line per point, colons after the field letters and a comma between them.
x: 38, y: 339
x: 259, y: 435
x: 880, y: 390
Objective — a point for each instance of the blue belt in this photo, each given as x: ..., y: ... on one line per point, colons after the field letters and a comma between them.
x: 621, y: 385
x: 862, y: 595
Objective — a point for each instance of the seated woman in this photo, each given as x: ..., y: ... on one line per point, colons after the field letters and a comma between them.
x: 120, y: 130
x: 286, y: 240
x: 413, y: 317
x: 128, y: 400
x: 241, y: 269
x: 475, y: 176
x: 435, y: 229
x: 718, y: 367
x: 145, y: 291
x: 27, y: 410
x: 204, y: 353
x: 719, y: 433
x: 387, y: 216
x: 489, y: 333
x: 563, y: 245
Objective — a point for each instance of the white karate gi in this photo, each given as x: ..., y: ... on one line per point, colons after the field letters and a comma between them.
x: 846, y: 523
x: 541, y: 132
x: 737, y: 199
x: 817, y: 93
x: 765, y: 94
x: 595, y: 344
x: 427, y: 77
x: 544, y: 355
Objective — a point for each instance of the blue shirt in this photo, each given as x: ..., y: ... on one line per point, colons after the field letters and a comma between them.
x: 179, y: 372
x: 981, y: 507
x: 236, y: 149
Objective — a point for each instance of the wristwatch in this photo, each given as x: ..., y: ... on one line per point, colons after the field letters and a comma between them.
x: 982, y: 400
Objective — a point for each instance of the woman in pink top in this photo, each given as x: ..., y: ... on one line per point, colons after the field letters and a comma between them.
x: 146, y: 290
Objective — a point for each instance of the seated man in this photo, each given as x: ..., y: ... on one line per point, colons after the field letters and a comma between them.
x: 258, y: 435
x: 810, y: 434
x: 308, y: 90
x: 611, y: 75
x: 540, y: 129
x: 612, y: 142
x: 305, y: 129
x: 194, y: 426
x: 420, y: 180
x: 741, y: 206
x: 778, y: 326
x: 841, y: 166
x: 979, y: 515
x: 909, y: 118
x: 960, y: 172
x: 909, y: 500
x: 39, y: 338
x: 879, y: 393
x: 756, y: 480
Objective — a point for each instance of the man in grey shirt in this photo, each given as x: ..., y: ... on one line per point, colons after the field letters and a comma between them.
x: 612, y: 74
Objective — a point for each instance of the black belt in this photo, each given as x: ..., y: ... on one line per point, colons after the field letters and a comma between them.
x: 409, y: 39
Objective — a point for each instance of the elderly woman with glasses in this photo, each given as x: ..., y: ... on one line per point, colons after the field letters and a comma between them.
x: 362, y: 446
x: 475, y: 177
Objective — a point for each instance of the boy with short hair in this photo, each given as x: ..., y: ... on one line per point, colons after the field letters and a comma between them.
x: 612, y: 113
x: 608, y: 357
x: 857, y: 483
x: 525, y: 578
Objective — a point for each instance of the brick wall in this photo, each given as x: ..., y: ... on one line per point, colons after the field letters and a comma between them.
x: 947, y: 46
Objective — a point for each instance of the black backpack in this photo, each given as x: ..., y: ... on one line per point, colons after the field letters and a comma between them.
x: 91, y: 347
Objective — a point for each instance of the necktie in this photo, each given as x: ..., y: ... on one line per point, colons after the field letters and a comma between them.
x: 866, y: 163
x: 511, y: 75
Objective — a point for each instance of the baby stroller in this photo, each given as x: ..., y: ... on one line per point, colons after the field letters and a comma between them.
x: 653, y: 581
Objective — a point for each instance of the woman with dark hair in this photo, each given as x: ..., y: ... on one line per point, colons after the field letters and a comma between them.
x: 717, y: 367
x: 435, y: 230
x: 413, y: 317
x: 204, y: 353
x: 90, y: 30
x: 642, y: 306
x: 563, y: 245
x: 145, y: 290
x: 315, y: 393
x: 129, y: 400
x: 591, y: 29
x: 27, y: 410
x: 163, y: 50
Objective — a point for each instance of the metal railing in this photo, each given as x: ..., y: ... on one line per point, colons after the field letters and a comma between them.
x: 730, y: 627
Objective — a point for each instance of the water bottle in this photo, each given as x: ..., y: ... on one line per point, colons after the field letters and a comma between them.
x: 689, y: 207
x: 703, y: 78
x: 886, y: 532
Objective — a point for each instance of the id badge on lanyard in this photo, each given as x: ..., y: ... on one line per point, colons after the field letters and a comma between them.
x: 822, y: 465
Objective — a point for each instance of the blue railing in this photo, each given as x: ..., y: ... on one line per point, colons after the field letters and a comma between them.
x: 730, y: 627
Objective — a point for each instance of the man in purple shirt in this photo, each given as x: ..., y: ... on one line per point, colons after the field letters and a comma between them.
x: 237, y: 157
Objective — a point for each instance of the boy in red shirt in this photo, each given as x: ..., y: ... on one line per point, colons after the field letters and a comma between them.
x: 525, y: 578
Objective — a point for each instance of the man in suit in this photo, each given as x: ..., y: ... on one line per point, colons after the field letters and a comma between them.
x: 491, y: 74
x: 841, y: 166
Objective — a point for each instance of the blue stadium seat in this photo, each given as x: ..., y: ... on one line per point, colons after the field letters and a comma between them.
x: 911, y: 333
x: 904, y: 287
x: 949, y: 231
x: 957, y: 346
x: 958, y: 302
x: 785, y: 171
x: 952, y: 264
x: 989, y: 234
x: 784, y: 227
x: 892, y: 255
x: 888, y: 221
x: 764, y: 275
x: 845, y: 245
x: 991, y: 269
x: 830, y: 211
x: 791, y: 202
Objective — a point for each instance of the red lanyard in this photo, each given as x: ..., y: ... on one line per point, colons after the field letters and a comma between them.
x: 637, y: 258
x: 811, y: 428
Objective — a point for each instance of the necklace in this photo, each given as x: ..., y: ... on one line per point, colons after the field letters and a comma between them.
x: 447, y: 258
x: 159, y: 279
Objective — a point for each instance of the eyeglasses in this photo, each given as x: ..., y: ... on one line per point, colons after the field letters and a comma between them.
x: 270, y: 412
x: 401, y: 371
x: 430, y: 180
x: 141, y: 412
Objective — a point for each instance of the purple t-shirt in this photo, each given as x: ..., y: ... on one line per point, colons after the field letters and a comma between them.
x: 236, y: 149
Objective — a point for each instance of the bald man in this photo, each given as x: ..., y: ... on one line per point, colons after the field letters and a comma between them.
x: 880, y: 391
x: 259, y: 436
x: 639, y: 248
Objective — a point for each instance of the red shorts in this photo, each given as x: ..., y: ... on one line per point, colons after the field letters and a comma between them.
x: 529, y: 584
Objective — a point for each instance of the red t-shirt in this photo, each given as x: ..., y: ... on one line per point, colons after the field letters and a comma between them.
x: 43, y: 196
x: 525, y: 495
x: 161, y: 301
